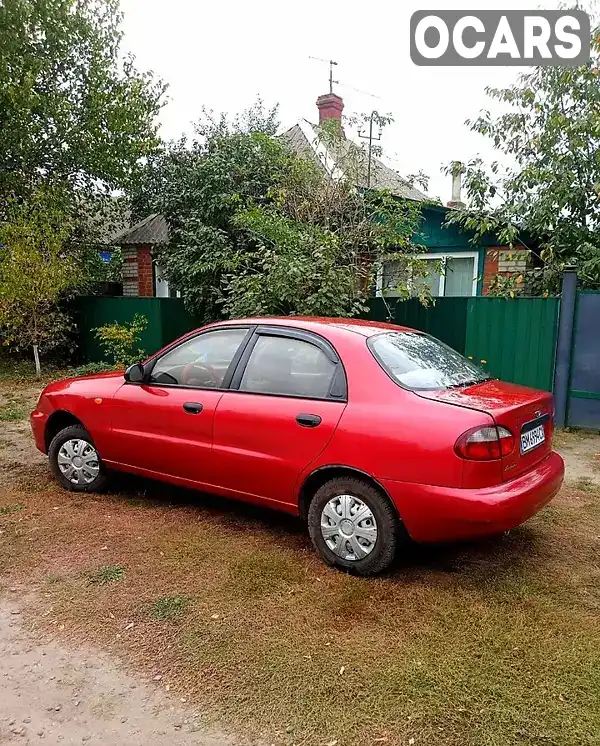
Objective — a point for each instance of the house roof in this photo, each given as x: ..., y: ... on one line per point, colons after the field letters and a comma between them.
x: 303, y: 139
x: 151, y: 231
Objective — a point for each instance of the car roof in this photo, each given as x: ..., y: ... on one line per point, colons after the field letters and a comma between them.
x: 364, y: 327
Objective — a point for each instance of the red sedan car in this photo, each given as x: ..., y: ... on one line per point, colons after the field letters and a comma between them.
x: 373, y: 432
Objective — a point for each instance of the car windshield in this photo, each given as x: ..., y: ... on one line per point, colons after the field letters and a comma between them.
x: 418, y: 361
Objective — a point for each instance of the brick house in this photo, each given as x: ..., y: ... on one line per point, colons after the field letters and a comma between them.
x: 458, y: 267
x: 139, y: 244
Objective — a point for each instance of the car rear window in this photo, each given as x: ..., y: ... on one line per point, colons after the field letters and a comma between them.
x: 418, y: 361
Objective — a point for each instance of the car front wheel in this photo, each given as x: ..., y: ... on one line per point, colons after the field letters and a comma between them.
x: 75, y: 462
x: 353, y: 526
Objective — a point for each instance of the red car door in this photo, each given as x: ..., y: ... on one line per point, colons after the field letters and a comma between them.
x: 165, y: 425
x: 286, y: 399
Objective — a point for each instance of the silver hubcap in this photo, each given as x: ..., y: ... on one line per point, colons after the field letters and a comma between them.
x: 349, y: 527
x: 78, y: 461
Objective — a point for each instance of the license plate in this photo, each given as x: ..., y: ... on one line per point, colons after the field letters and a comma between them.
x: 532, y: 438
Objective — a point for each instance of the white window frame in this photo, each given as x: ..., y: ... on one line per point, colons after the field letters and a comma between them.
x: 439, y: 257
x: 163, y: 283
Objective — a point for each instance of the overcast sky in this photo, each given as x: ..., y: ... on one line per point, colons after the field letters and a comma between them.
x: 222, y: 53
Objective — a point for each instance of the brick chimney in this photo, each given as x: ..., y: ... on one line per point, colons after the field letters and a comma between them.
x: 330, y: 106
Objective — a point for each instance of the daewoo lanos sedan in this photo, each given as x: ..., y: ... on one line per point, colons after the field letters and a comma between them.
x: 372, y: 432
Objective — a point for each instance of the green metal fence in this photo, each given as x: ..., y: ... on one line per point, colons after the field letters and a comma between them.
x: 167, y: 320
x: 446, y: 319
x: 516, y: 337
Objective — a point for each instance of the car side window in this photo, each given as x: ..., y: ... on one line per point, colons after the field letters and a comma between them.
x: 292, y: 367
x: 202, y: 361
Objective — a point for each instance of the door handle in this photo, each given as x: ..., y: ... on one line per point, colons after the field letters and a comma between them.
x: 308, y: 420
x: 192, y: 407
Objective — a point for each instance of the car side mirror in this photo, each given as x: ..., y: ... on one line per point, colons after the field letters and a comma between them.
x: 135, y: 373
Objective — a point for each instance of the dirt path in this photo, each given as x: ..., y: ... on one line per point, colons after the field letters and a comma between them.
x: 52, y: 694
x: 581, y: 452
x: 55, y: 695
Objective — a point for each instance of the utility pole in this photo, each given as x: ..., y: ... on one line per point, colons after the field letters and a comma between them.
x: 370, y: 138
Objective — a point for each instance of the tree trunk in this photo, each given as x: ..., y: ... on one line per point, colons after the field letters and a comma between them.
x: 36, y: 357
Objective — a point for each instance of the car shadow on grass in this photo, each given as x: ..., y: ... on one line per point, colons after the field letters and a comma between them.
x: 140, y: 491
x: 509, y: 561
x: 479, y: 562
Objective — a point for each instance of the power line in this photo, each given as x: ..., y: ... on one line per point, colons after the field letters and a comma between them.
x: 358, y: 90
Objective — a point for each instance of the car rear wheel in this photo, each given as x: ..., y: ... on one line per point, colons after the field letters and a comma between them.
x: 353, y: 526
x: 75, y: 462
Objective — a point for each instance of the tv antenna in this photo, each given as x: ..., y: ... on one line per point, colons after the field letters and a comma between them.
x: 331, y: 63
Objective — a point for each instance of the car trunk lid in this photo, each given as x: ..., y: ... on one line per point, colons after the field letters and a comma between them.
x: 527, y: 413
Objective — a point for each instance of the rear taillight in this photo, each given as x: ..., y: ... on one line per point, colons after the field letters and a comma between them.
x: 485, y: 443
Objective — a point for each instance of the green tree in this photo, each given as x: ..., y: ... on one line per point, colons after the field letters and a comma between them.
x: 76, y: 122
x: 550, y: 189
x: 200, y: 185
x: 72, y: 108
x: 319, y: 242
x: 35, y: 275
x: 255, y: 228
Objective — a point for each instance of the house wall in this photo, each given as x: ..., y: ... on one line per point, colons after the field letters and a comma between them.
x: 490, y: 269
x: 435, y: 234
x: 502, y: 260
x: 145, y: 276
x: 130, y: 271
x: 137, y: 271
x: 436, y: 237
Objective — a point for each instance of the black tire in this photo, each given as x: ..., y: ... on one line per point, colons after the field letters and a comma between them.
x: 75, y: 432
x: 389, y: 529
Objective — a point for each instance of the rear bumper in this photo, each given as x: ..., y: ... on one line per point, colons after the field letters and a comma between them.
x: 38, y: 426
x: 433, y: 513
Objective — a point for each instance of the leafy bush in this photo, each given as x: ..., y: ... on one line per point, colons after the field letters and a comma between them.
x: 90, y: 368
x: 120, y: 341
x: 541, y: 193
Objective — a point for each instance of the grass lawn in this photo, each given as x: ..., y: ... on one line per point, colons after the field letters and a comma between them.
x: 228, y: 606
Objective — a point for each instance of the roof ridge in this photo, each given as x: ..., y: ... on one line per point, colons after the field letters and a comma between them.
x: 153, y: 229
x: 402, y: 186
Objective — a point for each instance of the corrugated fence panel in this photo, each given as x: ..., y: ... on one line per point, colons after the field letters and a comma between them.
x: 514, y: 339
x: 446, y: 319
x: 176, y: 320
x: 167, y: 320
